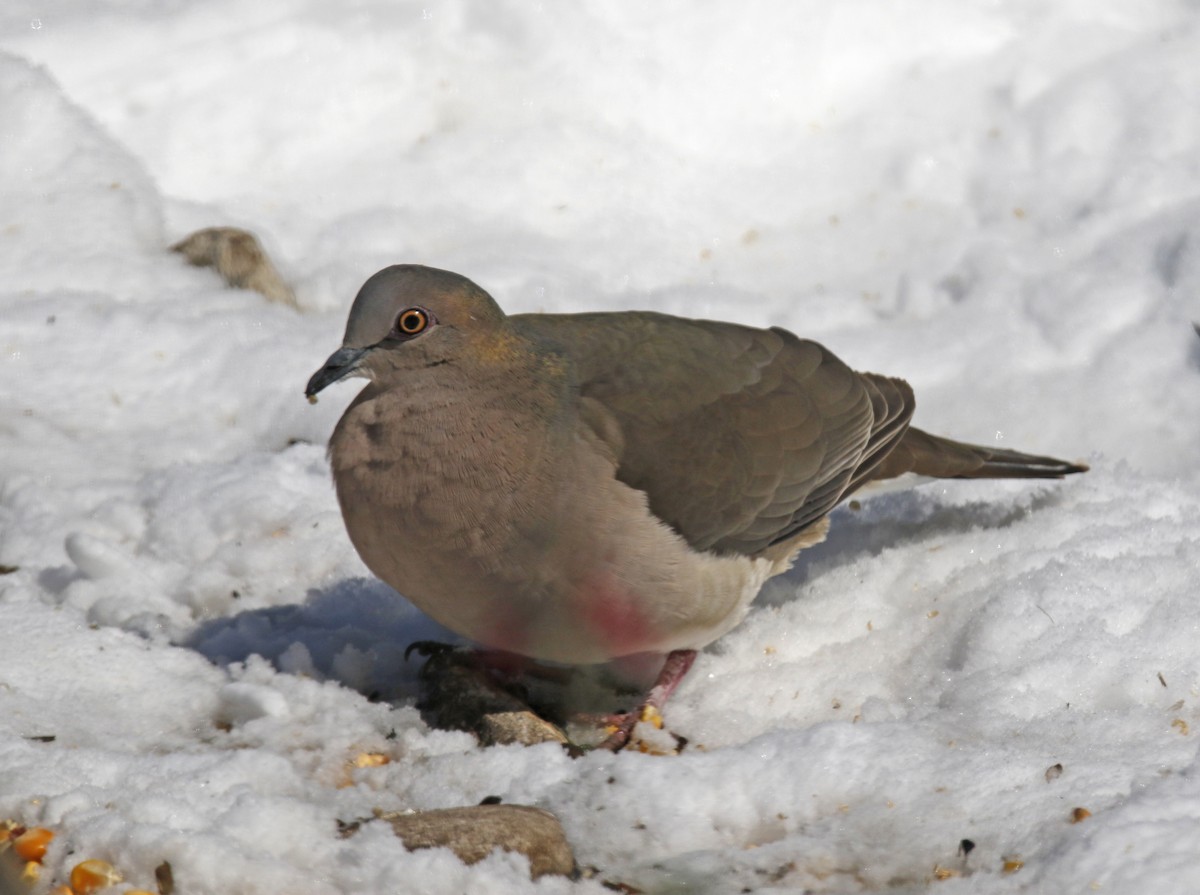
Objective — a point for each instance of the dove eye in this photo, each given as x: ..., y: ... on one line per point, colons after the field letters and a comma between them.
x: 411, y: 322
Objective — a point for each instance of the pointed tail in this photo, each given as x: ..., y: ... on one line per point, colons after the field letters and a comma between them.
x: 929, y: 455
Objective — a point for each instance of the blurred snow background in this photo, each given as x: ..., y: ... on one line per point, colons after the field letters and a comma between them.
x: 998, y: 201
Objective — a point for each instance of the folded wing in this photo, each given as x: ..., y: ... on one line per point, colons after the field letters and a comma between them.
x: 740, y: 437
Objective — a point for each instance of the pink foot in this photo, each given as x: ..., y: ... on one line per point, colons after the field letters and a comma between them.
x: 673, y: 671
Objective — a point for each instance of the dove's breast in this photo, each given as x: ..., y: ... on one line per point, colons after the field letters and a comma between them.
x: 506, y: 524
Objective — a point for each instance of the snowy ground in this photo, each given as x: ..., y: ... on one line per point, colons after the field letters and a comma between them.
x: 998, y: 201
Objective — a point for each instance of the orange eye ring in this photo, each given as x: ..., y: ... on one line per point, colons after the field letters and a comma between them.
x: 411, y: 322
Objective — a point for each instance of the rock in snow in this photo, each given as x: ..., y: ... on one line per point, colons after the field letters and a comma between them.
x: 995, y: 195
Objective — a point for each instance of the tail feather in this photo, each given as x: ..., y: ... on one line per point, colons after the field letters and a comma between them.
x: 930, y: 455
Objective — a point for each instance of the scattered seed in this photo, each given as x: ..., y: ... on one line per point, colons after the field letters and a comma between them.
x: 31, y: 845
x: 164, y: 878
x: 93, y: 875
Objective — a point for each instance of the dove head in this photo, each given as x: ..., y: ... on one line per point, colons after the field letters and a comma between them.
x: 409, y: 316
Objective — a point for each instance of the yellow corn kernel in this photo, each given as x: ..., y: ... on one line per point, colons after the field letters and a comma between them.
x: 371, y: 760
x: 93, y: 875
x: 651, y: 715
x: 31, y: 845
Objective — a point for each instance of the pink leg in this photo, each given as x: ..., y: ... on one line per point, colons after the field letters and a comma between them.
x: 673, y: 671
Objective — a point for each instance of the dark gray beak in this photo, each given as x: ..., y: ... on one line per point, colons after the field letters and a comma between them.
x: 342, y: 363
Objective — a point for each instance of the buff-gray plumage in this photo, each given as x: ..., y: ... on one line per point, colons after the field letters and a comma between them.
x: 583, y: 487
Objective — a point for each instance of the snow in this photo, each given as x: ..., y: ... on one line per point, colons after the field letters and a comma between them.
x: 998, y: 201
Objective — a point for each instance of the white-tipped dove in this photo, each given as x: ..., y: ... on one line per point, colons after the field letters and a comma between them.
x: 582, y: 487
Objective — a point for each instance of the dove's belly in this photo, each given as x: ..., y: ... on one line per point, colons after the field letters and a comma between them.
x: 597, y: 609
x: 622, y: 590
x: 516, y: 557
x: 605, y: 612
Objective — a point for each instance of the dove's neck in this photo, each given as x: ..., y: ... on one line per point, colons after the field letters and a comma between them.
x: 495, y: 424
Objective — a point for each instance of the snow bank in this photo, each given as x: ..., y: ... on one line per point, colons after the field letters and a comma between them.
x: 996, y: 202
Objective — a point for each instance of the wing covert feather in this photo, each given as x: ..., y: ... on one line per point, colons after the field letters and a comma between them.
x: 740, y: 437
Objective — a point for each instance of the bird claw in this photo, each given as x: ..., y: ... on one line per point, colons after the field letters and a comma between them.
x: 621, y: 733
x: 458, y: 682
x: 676, y: 666
x: 427, y: 648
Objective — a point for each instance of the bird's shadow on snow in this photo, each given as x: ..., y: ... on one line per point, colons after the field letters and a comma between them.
x: 900, y: 519
x: 354, y: 632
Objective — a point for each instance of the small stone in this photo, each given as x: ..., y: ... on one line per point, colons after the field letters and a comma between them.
x: 239, y: 258
x: 164, y: 878
x: 526, y: 728
x: 459, y: 693
x: 475, y: 832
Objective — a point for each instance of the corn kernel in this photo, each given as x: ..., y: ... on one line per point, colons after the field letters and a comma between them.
x: 651, y: 715
x: 91, y: 876
x: 371, y: 760
x: 32, y: 871
x: 31, y: 845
